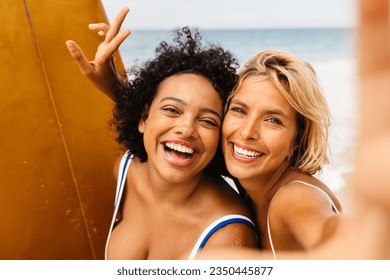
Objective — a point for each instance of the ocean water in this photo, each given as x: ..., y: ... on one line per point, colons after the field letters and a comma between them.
x: 331, y: 52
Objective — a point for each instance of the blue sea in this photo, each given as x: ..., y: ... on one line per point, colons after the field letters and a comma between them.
x: 332, y: 53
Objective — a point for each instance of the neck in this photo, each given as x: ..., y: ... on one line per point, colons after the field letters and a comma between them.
x: 262, y: 188
x: 169, y: 192
x: 263, y: 185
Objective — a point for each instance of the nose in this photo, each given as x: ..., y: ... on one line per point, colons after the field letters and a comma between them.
x: 250, y: 130
x: 186, y: 127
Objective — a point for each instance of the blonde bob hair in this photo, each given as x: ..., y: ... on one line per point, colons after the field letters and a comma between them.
x: 297, y: 82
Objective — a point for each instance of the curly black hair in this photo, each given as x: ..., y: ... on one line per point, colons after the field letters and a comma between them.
x: 187, y: 54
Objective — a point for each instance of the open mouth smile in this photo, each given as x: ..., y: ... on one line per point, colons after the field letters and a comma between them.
x: 244, y: 153
x: 178, y: 150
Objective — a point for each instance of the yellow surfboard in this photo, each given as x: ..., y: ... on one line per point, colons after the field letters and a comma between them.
x: 57, y: 149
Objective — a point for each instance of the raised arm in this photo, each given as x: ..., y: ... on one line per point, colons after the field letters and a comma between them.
x: 101, y: 71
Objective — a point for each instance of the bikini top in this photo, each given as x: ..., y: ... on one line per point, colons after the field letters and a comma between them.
x: 203, y: 238
x: 307, y: 184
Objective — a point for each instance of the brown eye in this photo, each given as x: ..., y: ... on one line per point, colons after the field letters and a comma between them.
x: 209, y: 123
x: 171, y: 110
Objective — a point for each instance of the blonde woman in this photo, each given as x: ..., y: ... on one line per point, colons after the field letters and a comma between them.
x: 274, y: 139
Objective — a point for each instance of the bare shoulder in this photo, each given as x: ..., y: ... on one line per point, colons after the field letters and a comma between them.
x: 117, y: 163
x: 223, y: 200
x: 305, y: 209
x: 308, y: 191
x: 118, y: 160
x: 236, y: 235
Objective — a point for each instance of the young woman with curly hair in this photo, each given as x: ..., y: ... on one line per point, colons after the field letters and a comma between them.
x: 170, y: 195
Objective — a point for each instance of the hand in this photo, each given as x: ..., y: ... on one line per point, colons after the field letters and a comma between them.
x: 101, y: 72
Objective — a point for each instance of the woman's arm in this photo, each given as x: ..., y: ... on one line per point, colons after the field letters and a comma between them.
x: 305, y: 213
x: 101, y: 71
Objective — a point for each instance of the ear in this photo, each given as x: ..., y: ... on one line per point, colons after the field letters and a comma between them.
x: 144, y: 117
x: 292, y: 150
x: 141, y: 125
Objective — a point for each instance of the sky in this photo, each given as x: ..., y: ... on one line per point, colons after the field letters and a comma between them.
x: 236, y: 14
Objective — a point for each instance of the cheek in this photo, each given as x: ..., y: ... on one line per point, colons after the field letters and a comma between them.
x: 274, y: 140
x: 227, y: 126
x: 211, y: 140
x: 225, y: 130
x: 278, y: 144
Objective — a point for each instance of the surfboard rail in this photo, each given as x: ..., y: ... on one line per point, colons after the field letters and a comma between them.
x: 57, y: 185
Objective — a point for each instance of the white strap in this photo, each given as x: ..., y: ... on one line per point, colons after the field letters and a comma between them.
x: 270, y: 237
x: 122, y: 172
x: 120, y: 185
x: 321, y: 190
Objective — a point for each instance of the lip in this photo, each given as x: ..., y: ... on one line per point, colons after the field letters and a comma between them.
x: 248, y: 154
x: 180, y: 154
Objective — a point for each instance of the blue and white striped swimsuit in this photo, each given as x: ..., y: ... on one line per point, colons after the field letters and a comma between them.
x: 206, y: 234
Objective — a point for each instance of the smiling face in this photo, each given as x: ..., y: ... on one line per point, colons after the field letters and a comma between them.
x: 259, y: 130
x: 182, y: 129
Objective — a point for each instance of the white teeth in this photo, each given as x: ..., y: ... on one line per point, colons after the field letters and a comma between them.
x: 245, y: 153
x: 179, y: 148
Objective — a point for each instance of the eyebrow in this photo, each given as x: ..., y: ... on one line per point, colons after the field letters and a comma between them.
x: 237, y: 102
x: 275, y: 112
x: 182, y: 102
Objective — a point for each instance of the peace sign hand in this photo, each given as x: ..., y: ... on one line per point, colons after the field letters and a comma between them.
x: 101, y: 71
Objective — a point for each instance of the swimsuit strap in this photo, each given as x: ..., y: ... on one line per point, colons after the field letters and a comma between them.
x: 321, y: 190
x: 307, y: 184
x: 216, y: 225
x: 120, y: 185
x: 123, y: 168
